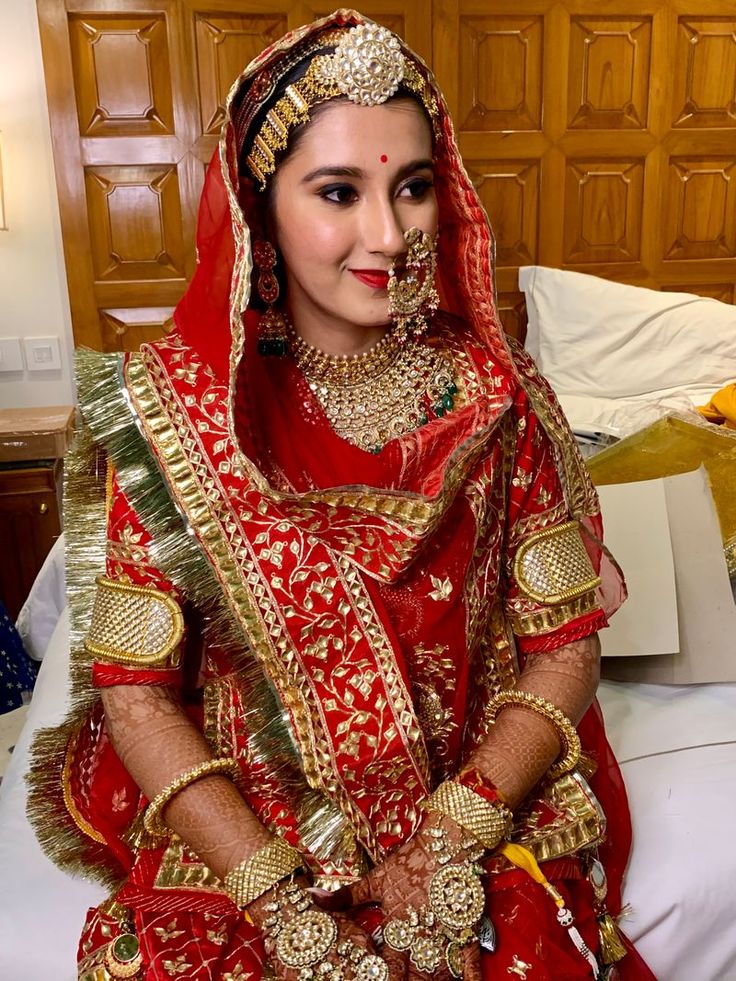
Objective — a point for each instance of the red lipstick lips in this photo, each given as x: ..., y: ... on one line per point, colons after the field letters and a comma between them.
x: 377, y: 279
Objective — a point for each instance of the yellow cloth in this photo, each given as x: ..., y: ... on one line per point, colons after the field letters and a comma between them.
x: 671, y: 446
x: 722, y: 407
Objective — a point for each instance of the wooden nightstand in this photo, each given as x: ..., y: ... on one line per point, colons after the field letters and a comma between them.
x: 32, y: 446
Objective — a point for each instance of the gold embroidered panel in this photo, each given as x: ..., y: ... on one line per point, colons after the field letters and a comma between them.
x: 135, y: 625
x: 552, y: 565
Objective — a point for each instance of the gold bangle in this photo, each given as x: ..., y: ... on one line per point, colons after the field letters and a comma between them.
x: 259, y: 873
x: 152, y: 818
x: 487, y: 822
x: 570, y: 748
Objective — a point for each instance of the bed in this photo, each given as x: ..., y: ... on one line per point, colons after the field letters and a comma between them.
x: 676, y: 744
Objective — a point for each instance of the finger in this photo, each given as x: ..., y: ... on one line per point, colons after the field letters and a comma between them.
x: 366, y: 890
x: 334, y: 902
x: 472, y: 970
x: 396, y: 963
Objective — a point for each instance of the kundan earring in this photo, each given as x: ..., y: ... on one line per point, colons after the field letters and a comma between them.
x: 273, y: 327
x: 413, y: 297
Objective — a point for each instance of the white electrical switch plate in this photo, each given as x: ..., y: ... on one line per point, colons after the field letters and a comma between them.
x: 42, y: 353
x: 11, y: 356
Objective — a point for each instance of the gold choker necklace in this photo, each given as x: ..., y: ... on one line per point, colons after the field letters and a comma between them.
x: 383, y: 393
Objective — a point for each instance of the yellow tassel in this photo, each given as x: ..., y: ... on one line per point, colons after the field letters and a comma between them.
x: 612, y: 948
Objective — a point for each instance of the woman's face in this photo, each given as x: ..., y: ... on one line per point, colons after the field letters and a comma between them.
x: 341, y: 201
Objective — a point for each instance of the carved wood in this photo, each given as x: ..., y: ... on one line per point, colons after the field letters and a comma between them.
x: 601, y: 136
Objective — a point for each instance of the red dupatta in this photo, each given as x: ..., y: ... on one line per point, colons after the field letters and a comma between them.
x: 305, y: 565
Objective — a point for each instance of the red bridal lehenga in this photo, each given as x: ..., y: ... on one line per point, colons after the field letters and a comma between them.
x: 336, y: 620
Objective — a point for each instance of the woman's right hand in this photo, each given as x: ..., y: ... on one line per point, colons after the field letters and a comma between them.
x: 347, y: 930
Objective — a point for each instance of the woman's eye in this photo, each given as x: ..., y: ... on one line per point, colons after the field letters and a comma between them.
x: 339, y: 193
x: 416, y: 188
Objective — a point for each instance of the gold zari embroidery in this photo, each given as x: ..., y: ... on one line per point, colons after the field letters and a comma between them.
x: 552, y: 617
x: 552, y: 566
x: 135, y: 625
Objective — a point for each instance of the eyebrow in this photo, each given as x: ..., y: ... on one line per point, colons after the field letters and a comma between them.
x: 334, y: 171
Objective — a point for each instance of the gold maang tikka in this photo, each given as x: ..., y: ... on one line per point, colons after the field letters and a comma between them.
x: 412, y: 296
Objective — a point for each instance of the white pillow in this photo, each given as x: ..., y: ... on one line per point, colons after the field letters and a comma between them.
x: 619, y: 417
x: 590, y: 336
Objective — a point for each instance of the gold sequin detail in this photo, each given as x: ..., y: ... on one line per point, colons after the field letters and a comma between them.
x: 552, y: 566
x: 134, y: 625
x: 552, y: 617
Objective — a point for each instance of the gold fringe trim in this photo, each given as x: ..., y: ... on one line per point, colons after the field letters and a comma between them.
x: 64, y: 835
x: 111, y: 425
x: 612, y: 948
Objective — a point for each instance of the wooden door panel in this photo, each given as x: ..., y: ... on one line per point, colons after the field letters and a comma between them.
x: 122, y: 75
x: 225, y: 44
x: 509, y: 190
x: 608, y: 72
x: 500, y: 73
x: 704, y: 94
x: 701, y: 213
x: 602, y: 210
x: 135, y: 223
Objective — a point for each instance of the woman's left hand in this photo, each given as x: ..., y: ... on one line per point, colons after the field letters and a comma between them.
x: 403, y: 880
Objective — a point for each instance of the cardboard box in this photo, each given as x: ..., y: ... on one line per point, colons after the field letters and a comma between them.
x: 705, y: 649
x: 35, y: 434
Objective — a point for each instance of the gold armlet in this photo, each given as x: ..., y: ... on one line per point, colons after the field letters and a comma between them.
x: 569, y: 740
x: 552, y: 566
x: 259, y: 873
x: 135, y: 625
x: 152, y: 818
x: 485, y: 821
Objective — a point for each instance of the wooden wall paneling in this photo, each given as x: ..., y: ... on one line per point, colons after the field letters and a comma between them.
x: 601, y: 137
x: 623, y: 164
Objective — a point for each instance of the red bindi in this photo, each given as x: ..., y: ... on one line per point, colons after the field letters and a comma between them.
x: 384, y: 158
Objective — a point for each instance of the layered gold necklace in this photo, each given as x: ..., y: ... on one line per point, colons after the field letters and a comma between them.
x: 383, y: 393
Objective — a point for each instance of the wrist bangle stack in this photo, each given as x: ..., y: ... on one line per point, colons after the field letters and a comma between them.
x: 152, y: 818
x: 259, y: 873
x: 569, y: 739
x: 486, y: 822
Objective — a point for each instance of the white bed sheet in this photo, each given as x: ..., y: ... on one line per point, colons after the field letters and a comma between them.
x: 677, y: 747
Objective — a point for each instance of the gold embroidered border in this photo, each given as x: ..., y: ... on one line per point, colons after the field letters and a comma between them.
x: 581, y: 823
x: 185, y: 485
x: 553, y: 617
x: 135, y: 625
x: 552, y: 566
x: 84, y: 826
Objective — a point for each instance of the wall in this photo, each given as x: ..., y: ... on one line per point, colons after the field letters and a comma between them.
x: 33, y: 293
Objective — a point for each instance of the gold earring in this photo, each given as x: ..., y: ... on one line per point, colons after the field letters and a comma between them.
x: 273, y: 326
x: 413, y: 298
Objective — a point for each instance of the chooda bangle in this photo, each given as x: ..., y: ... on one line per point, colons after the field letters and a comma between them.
x: 259, y: 873
x: 486, y: 822
x: 570, y: 748
x: 152, y: 818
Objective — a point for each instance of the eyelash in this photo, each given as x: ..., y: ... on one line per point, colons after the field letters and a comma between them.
x: 420, y: 184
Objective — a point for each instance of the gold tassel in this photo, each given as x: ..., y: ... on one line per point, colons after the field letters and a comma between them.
x: 612, y: 948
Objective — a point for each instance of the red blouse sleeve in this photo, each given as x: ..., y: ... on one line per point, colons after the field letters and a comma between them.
x: 551, y: 585
x: 137, y: 631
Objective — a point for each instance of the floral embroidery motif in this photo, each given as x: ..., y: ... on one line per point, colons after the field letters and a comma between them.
x: 442, y: 589
x: 179, y: 966
x: 169, y: 932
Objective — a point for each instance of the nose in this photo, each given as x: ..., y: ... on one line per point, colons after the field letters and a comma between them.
x: 383, y: 232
